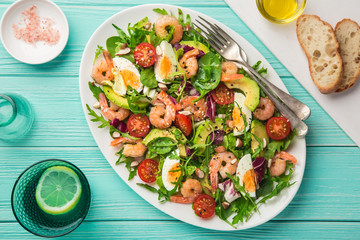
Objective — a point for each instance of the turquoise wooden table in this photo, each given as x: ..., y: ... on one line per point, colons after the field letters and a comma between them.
x: 327, y: 204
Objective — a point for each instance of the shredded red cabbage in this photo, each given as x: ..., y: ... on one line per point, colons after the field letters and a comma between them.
x: 211, y: 108
x: 115, y: 122
x: 173, y: 100
x: 217, y: 137
x: 122, y: 127
x: 187, y: 48
x: 259, y: 165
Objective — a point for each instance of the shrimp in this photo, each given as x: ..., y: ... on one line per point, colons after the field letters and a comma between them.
x: 131, y: 148
x: 167, y: 20
x: 160, y: 116
x: 190, y: 190
x: 265, y: 109
x: 229, y: 72
x: 198, y: 109
x: 278, y: 164
x: 229, y: 68
x: 222, y: 163
x: 102, y: 69
x: 190, y: 63
x: 110, y: 114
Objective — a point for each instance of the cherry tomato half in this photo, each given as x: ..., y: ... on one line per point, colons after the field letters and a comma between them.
x: 145, y: 54
x: 147, y: 170
x: 204, y: 206
x: 138, y: 125
x: 183, y: 123
x: 278, y: 128
x: 222, y: 95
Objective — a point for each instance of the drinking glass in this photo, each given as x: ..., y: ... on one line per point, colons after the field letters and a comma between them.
x: 32, y: 217
x: 16, y: 116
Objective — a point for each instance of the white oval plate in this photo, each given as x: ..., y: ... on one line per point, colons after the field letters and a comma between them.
x: 182, y: 212
x: 25, y: 52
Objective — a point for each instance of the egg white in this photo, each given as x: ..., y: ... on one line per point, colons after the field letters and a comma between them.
x: 166, y: 50
x: 120, y: 64
x: 168, y: 164
x: 239, y: 99
x: 244, y: 165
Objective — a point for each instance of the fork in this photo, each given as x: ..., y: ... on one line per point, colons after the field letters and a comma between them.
x: 295, y: 111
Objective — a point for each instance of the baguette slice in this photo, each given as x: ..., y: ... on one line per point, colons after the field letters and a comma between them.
x: 317, y: 38
x: 348, y: 35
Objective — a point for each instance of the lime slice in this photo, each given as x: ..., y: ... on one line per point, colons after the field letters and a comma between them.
x: 58, y: 190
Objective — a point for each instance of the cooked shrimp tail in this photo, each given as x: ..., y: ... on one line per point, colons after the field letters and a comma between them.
x: 160, y: 116
x: 102, y: 69
x: 167, y: 20
x: 131, y: 148
x: 189, y: 63
x: 120, y: 113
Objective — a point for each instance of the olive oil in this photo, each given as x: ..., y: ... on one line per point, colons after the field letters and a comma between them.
x: 280, y: 9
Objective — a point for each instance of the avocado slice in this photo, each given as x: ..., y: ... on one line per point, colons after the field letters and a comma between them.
x: 156, y: 133
x: 250, y: 88
x: 203, y: 131
x: 197, y: 45
x: 258, y: 129
x: 115, y: 98
x: 119, y: 100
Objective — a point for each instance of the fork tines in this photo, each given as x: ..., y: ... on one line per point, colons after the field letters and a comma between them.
x: 217, y: 38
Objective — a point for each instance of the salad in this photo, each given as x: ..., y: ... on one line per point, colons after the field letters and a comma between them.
x: 195, y: 128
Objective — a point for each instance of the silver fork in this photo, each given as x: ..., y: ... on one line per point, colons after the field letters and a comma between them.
x: 292, y: 108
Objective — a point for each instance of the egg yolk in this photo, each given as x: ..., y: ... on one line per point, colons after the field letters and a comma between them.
x: 130, y: 79
x: 249, y: 180
x: 174, y: 174
x: 165, y: 67
x: 238, y: 119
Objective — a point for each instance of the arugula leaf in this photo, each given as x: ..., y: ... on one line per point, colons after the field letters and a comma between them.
x: 122, y: 35
x: 148, y: 187
x: 133, y: 97
x: 160, y: 11
x: 95, y: 90
x: 141, y: 24
x: 98, y: 51
x: 277, y: 146
x: 154, y: 39
x: 280, y: 186
x: 101, y: 119
x: 208, y: 75
x: 147, y: 78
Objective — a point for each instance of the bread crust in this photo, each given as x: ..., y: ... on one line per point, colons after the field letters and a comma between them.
x: 357, y: 74
x: 332, y: 88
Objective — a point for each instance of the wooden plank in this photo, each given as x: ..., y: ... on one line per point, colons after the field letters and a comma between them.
x: 177, y: 229
x: 327, y: 191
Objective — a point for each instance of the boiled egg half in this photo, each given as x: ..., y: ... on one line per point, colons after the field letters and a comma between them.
x: 245, y: 172
x: 126, y: 74
x: 165, y: 61
x: 239, y: 124
x: 171, y: 173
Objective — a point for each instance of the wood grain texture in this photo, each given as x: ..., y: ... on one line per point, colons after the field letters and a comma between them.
x: 325, y: 207
x: 180, y: 230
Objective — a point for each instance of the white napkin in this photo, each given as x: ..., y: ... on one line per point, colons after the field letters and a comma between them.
x: 281, y: 40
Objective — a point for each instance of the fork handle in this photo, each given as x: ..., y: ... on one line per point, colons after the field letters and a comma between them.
x: 296, y: 122
x: 301, y: 110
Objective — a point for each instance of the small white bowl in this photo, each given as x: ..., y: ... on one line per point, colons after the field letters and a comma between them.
x: 40, y: 52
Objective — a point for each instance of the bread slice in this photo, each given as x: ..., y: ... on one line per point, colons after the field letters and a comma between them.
x: 348, y: 36
x: 317, y: 38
